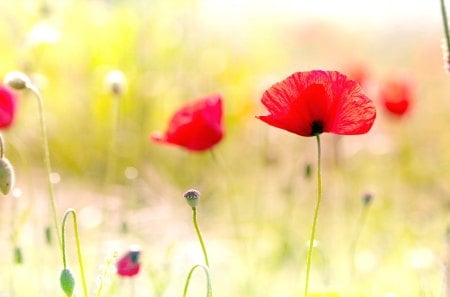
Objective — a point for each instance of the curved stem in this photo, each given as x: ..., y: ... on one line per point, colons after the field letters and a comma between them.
x: 35, y: 91
x: 197, y: 230
x: 445, y: 21
x: 77, y: 240
x: 208, y: 280
x: 316, y: 214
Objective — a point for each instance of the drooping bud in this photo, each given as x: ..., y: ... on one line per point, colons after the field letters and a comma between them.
x: 7, y: 176
x: 192, y: 197
x: 17, y: 80
x: 67, y: 282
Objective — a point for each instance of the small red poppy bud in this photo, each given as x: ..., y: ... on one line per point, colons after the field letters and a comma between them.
x: 192, y: 197
x: 17, y: 80
x: 7, y: 176
x: 128, y: 265
x: 67, y: 282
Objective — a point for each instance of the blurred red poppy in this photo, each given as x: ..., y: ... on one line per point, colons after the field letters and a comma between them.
x: 396, y: 96
x: 309, y: 103
x: 128, y: 265
x: 197, y: 126
x: 7, y: 107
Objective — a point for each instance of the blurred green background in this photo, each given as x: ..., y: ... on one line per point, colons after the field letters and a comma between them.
x: 257, y: 203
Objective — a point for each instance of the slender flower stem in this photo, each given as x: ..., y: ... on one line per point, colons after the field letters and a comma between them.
x: 208, y: 280
x: 35, y: 91
x: 200, y: 238
x: 445, y: 21
x: 316, y: 214
x: 77, y: 240
x: 356, y: 235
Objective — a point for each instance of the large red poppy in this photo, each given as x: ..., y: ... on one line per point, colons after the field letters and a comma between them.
x: 396, y: 96
x: 128, y: 265
x: 309, y: 103
x: 7, y: 107
x: 197, y: 126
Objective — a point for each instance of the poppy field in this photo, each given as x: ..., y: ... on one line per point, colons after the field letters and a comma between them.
x: 224, y: 148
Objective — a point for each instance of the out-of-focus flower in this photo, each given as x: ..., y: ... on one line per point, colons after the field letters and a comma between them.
x: 115, y: 82
x: 396, y: 96
x: 129, y: 265
x: 7, y: 107
x: 43, y: 33
x: 197, y: 126
x: 313, y: 102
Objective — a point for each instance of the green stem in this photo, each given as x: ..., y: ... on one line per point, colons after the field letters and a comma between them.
x: 35, y: 91
x: 316, y: 214
x: 208, y: 280
x: 445, y: 21
x: 197, y: 230
x: 359, y: 226
x: 77, y: 241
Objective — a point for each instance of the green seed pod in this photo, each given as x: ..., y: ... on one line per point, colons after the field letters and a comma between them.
x: 7, y: 176
x: 192, y: 197
x: 67, y: 282
x: 17, y: 80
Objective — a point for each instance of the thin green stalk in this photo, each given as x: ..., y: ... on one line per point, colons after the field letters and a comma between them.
x: 316, y: 215
x: 445, y: 21
x: 356, y: 235
x: 200, y: 238
x: 208, y: 280
x: 35, y: 91
x: 77, y: 241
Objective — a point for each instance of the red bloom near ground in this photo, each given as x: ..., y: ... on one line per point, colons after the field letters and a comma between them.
x: 309, y: 103
x: 197, y: 126
x: 396, y: 96
x: 128, y: 265
x: 7, y: 107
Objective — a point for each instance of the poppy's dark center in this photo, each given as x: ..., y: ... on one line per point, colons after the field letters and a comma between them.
x: 316, y: 127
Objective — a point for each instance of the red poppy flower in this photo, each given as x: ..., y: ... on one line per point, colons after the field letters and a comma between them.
x: 7, y: 107
x: 128, y: 265
x: 309, y: 103
x: 197, y: 126
x: 396, y: 96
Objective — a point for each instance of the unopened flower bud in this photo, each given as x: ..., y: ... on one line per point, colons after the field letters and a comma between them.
x: 18, y: 256
x: 308, y: 170
x: 367, y: 198
x: 192, y: 197
x: 17, y: 80
x: 48, y: 235
x: 7, y: 176
x: 67, y: 282
x: 115, y: 82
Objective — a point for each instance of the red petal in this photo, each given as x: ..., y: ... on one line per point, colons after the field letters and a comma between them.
x: 353, y: 112
x: 196, y: 126
x: 7, y: 107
